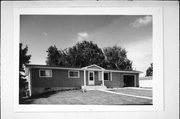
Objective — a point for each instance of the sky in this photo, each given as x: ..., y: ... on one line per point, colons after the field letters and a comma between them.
x: 132, y: 32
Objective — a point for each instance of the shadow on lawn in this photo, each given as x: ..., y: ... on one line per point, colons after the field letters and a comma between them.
x: 32, y: 98
x: 43, y: 95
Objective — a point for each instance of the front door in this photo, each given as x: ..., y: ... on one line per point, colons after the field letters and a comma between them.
x: 91, y: 78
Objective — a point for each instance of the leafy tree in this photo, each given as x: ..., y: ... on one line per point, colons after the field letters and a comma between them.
x: 23, y: 60
x: 82, y: 54
x: 116, y: 58
x: 53, y: 56
x: 149, y: 71
x: 86, y: 53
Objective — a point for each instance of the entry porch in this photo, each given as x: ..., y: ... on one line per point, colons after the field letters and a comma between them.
x: 93, y: 77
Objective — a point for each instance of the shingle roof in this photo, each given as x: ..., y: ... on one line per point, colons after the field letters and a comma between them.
x: 73, y: 68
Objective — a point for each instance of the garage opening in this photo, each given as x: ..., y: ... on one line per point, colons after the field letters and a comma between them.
x: 129, y: 80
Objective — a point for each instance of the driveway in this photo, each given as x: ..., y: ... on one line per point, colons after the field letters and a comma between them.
x: 93, y: 97
x: 141, y: 92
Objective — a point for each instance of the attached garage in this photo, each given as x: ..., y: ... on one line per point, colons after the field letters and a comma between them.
x: 129, y: 80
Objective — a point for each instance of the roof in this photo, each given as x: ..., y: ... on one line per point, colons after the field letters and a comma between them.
x: 50, y: 67
x: 93, y: 66
x: 83, y: 68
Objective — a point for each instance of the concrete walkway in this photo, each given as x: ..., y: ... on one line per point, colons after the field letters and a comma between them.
x: 136, y: 96
x: 137, y: 88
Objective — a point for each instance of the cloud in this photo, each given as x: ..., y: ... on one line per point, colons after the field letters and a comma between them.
x: 142, y: 21
x: 45, y: 34
x: 82, y: 36
x: 140, y: 53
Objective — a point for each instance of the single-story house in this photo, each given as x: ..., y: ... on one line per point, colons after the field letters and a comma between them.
x: 43, y: 77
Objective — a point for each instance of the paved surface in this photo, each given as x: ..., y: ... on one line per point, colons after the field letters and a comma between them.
x: 135, y: 91
x: 138, y: 93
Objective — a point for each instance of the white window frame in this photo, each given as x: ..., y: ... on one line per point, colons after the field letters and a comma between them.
x: 72, y: 76
x: 110, y: 76
x: 45, y: 70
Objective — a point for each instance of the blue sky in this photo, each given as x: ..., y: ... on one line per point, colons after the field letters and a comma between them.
x: 134, y: 33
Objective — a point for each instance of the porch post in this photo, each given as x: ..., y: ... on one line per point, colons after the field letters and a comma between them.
x: 102, y: 78
x: 84, y: 77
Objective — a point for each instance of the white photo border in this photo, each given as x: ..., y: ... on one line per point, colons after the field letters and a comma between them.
x: 158, y: 82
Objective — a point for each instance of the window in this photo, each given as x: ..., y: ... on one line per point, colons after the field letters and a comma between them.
x: 107, y: 76
x: 91, y: 76
x: 45, y: 73
x: 73, y: 74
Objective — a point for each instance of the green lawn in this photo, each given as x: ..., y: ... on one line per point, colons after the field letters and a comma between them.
x: 93, y: 97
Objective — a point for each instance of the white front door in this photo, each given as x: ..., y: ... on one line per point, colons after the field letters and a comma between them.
x: 91, y: 77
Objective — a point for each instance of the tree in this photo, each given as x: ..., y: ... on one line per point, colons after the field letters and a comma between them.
x: 53, y: 56
x: 87, y: 53
x: 82, y: 54
x: 116, y: 58
x: 149, y: 71
x: 23, y: 60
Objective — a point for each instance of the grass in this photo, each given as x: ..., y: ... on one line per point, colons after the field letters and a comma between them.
x: 146, y: 93
x: 77, y: 97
